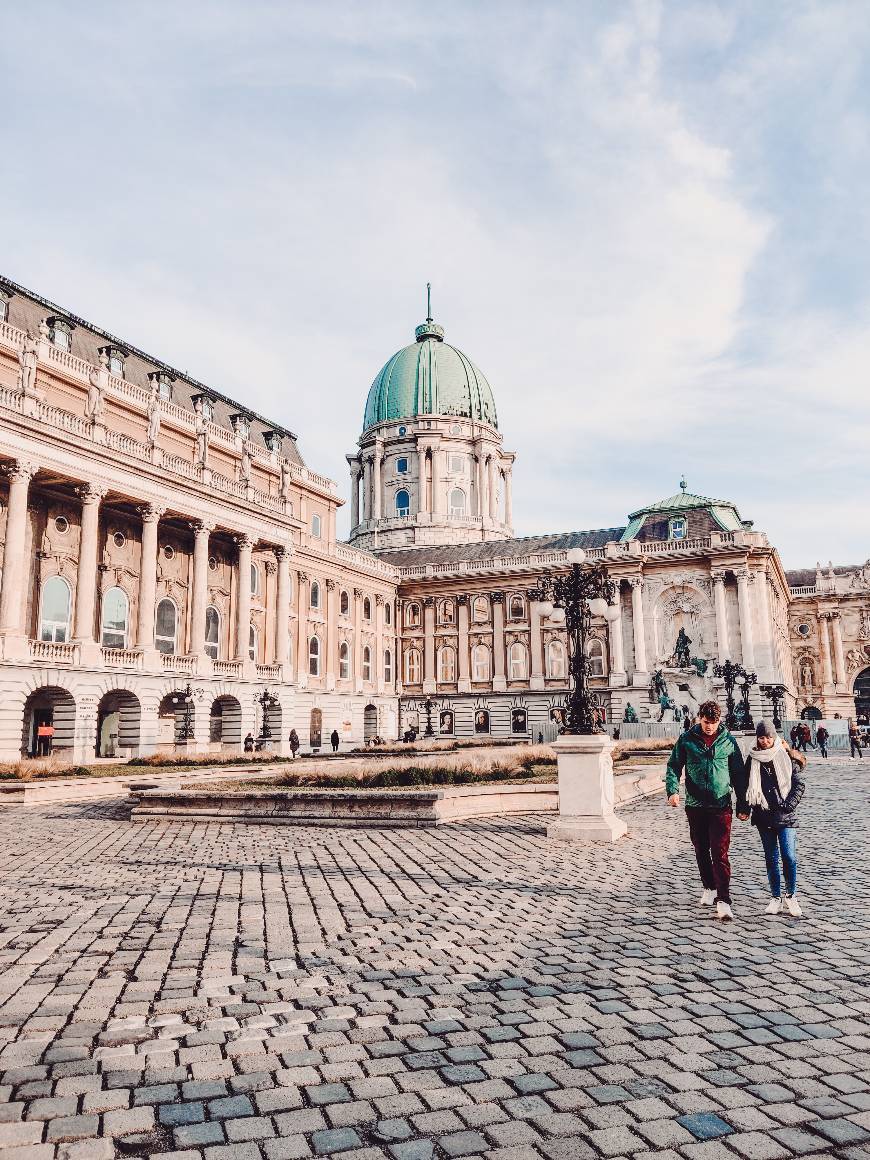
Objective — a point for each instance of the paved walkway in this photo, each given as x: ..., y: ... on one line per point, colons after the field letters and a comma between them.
x: 235, y: 992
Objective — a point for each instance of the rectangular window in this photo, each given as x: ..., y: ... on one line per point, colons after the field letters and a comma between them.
x: 457, y: 464
x: 401, y: 466
x: 316, y: 526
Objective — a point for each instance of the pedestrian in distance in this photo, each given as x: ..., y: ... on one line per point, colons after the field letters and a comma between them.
x: 249, y: 743
x: 854, y: 741
x: 804, y: 736
x: 770, y: 792
x: 294, y: 743
x: 822, y: 736
x: 795, y: 735
x: 334, y: 740
x: 710, y: 758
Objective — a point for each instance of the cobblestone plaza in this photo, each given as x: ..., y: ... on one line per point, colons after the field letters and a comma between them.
x: 233, y: 992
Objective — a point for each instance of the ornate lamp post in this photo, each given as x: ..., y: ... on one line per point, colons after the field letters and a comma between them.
x: 736, y: 677
x: 776, y: 695
x: 574, y: 599
x: 184, y: 698
x: 266, y: 701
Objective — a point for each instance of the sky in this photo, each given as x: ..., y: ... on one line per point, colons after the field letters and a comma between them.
x: 646, y: 222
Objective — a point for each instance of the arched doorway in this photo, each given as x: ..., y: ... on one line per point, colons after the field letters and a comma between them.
x: 315, y: 738
x: 811, y: 713
x: 862, y: 697
x: 173, y: 717
x: 119, y: 717
x: 49, y: 723
x: 370, y: 722
x: 225, y: 723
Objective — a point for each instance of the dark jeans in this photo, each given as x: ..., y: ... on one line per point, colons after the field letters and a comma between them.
x: 854, y: 747
x: 823, y: 746
x: 710, y: 831
x: 774, y: 841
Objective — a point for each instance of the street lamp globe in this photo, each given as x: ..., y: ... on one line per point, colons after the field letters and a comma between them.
x: 576, y: 556
x: 557, y: 616
x: 611, y: 613
x: 741, y: 680
x: 598, y: 606
x: 546, y: 607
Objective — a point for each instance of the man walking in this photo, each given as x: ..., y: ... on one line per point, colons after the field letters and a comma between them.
x: 822, y: 736
x: 713, y: 766
x: 334, y: 739
x: 854, y: 741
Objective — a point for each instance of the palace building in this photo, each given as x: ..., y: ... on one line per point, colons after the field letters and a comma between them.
x: 171, y: 575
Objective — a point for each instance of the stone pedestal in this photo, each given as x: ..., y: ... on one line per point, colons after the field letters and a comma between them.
x: 586, y: 793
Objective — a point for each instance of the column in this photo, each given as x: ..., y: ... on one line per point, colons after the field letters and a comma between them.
x: 640, y: 669
x: 743, y: 600
x: 148, y: 577
x: 282, y: 608
x: 421, y: 478
x: 357, y: 639
x: 499, y: 683
x: 429, y: 675
x: 508, y: 495
x: 86, y: 575
x: 331, y: 667
x: 537, y: 646
x: 438, y: 506
x: 243, y: 598
x: 839, y: 660
x: 764, y: 644
x: 617, y: 649
x: 464, y: 685
x: 15, y: 559
x: 378, y: 659
x: 827, y: 675
x: 302, y: 630
x: 270, y: 570
x: 493, y: 488
x: 482, y: 489
x: 199, y: 596
x: 378, y: 461
x: 367, y: 488
x: 354, y: 492
x: 723, y: 647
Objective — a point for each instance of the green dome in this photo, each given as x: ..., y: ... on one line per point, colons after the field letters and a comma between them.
x: 429, y: 377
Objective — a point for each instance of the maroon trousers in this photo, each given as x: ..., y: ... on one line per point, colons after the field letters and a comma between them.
x: 710, y: 831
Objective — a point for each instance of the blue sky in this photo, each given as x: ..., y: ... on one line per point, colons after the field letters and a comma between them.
x: 647, y: 223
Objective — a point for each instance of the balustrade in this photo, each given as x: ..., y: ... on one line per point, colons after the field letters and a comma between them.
x: 172, y: 663
x: 53, y: 653
x: 122, y: 658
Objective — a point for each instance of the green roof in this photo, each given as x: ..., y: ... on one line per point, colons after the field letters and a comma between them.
x: 723, y: 511
x: 429, y: 377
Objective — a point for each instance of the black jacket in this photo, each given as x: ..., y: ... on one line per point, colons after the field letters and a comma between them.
x: 781, y: 813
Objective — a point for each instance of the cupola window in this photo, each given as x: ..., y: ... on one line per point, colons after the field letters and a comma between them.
x: 402, y: 466
x: 403, y: 503
x: 678, y: 528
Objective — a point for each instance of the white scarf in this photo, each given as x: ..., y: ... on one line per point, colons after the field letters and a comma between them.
x: 781, y: 767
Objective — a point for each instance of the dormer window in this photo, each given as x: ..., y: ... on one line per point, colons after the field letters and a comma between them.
x: 163, y: 382
x: 678, y: 528
x: 114, y: 360
x: 272, y: 439
x: 4, y: 306
x: 241, y: 425
x: 60, y: 333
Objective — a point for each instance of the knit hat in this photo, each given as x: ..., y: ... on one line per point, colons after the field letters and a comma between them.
x: 765, y: 728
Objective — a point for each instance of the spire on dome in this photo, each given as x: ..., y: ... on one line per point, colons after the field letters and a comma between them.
x: 429, y: 329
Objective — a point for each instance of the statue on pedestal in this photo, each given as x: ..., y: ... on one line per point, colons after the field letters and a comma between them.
x: 96, y: 403
x: 153, y: 417
x: 201, y: 433
x: 630, y: 716
x: 682, y: 658
x: 27, y: 365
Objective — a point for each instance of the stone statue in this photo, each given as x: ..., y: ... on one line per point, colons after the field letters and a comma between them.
x: 658, y: 687
x: 864, y: 630
x: 245, y: 466
x: 201, y: 433
x: 153, y: 416
x: 44, y: 330
x: 630, y: 715
x: 285, y: 478
x: 27, y: 365
x: 681, y: 650
x: 96, y: 403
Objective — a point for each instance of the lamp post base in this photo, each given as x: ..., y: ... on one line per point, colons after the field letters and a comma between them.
x: 586, y: 793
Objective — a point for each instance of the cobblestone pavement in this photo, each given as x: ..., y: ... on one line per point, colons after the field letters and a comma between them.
x: 233, y: 992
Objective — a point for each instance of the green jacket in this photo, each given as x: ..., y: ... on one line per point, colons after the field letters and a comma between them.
x: 711, y: 771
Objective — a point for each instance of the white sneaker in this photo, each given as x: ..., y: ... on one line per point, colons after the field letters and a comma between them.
x: 774, y: 906
x: 708, y: 897
x: 724, y: 912
x: 793, y: 906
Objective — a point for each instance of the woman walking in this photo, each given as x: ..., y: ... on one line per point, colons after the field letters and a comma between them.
x: 772, y: 790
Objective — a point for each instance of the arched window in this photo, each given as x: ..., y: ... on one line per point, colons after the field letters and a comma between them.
x: 253, y: 650
x: 314, y: 657
x: 367, y: 664
x: 316, y: 526
x: 480, y: 663
x: 54, y: 613
x: 344, y: 603
x: 388, y: 613
x: 255, y: 580
x: 457, y: 502
x: 517, y: 608
x: 403, y: 502
x: 412, y: 615
x: 556, y: 660
x: 595, y: 653
x: 447, y: 665
x: 518, y: 669
x: 367, y: 609
x: 480, y: 609
x: 413, y: 667
x: 212, y: 632
x: 165, y: 626
x: 388, y: 667
x: 344, y: 661
x: 315, y: 594
x: 446, y: 612
x: 116, y: 611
